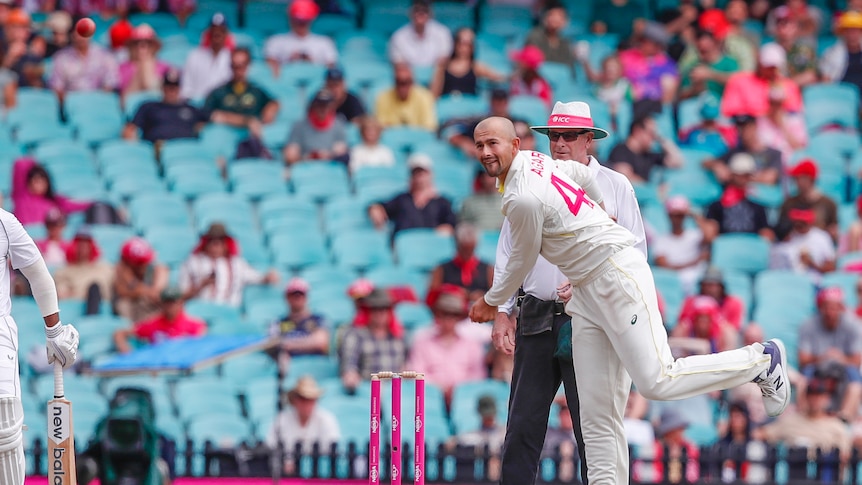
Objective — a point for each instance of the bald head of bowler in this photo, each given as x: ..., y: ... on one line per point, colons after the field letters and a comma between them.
x: 496, y: 145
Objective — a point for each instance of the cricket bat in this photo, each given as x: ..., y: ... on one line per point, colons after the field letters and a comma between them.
x: 61, y: 438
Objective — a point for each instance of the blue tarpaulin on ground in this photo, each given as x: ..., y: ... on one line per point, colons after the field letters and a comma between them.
x: 182, y: 354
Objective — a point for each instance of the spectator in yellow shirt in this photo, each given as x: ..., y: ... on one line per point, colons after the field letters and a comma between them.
x: 406, y: 104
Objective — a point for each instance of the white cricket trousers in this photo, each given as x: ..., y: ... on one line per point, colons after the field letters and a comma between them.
x: 616, y: 327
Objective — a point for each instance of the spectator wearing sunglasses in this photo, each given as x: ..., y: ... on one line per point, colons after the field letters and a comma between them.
x: 635, y: 157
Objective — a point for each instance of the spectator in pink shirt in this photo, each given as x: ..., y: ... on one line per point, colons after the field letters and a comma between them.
x: 526, y: 80
x: 143, y: 71
x: 83, y: 66
x: 445, y: 356
x: 33, y: 193
x: 747, y: 93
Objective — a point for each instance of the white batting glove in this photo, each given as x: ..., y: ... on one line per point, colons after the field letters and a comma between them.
x: 62, y: 344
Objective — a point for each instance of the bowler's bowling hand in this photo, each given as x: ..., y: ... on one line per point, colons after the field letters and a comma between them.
x: 482, y: 312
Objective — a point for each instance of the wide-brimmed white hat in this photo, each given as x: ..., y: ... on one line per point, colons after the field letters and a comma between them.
x: 574, y: 115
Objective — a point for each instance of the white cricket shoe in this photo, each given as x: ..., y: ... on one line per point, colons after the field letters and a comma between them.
x: 774, y: 383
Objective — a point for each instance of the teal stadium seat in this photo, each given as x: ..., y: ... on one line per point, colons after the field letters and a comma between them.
x: 296, y: 251
x: 669, y: 286
x: 83, y: 106
x: 831, y: 104
x: 33, y: 132
x: 164, y: 209
x: 748, y: 253
x: 334, y: 278
x: 451, y: 107
x: 403, y: 139
x: 361, y: 249
x: 232, y: 210
x: 277, y: 205
x: 422, y: 249
x: 465, y: 398
x: 110, y: 238
x: 319, y: 181
x: 344, y: 214
x: 414, y: 315
x: 172, y: 244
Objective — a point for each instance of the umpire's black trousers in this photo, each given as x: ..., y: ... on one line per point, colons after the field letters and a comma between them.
x: 536, y: 377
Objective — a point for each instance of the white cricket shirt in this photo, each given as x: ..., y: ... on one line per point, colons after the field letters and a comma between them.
x: 619, y: 201
x: 426, y: 50
x: 550, y: 212
x: 204, y: 71
x: 318, y: 48
x: 16, y: 247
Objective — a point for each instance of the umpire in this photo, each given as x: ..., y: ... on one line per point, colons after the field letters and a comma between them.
x: 541, y: 341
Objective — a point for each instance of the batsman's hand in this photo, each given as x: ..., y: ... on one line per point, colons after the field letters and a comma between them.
x: 503, y: 334
x: 482, y: 312
x: 62, y: 344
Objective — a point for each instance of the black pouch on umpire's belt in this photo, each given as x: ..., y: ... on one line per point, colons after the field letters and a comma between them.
x: 536, y: 316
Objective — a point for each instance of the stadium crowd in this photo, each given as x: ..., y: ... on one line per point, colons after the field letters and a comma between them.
x: 362, y: 228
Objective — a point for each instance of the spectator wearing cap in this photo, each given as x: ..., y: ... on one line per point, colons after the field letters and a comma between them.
x: 363, y: 288
x: 710, y: 134
x: 781, y: 130
x: 459, y: 131
x: 169, y: 118
x: 83, y: 66
x: 801, y: 51
x: 812, y: 428
x: 709, y: 72
x: 459, y: 73
x: 208, y: 66
x: 482, y: 207
x: 139, y: 280
x: 347, y: 104
x: 300, y: 44
x: 747, y: 93
x: 406, y: 103
x: 216, y: 272
x: 807, y: 17
x: 53, y: 247
x: 490, y: 434
x: 59, y: 25
x: 171, y: 322
x: 704, y: 322
x: 635, y: 156
x: 303, y: 424
x: 651, y: 72
x: 526, y: 79
x: 549, y: 36
x: 806, y: 249
x: 767, y: 161
x: 239, y: 102
x: 669, y: 449
x: 86, y: 276
x: 372, y: 347
x: 423, y: 42
x: 33, y: 193
x: 685, y: 249
x: 369, y: 152
x: 444, y: 355
x: 465, y: 270
x: 734, y: 212
x: 22, y: 45
x: 143, y: 71
x: 321, y: 135
x: 300, y: 331
x: 420, y: 207
x: 809, y: 196
x: 842, y: 61
x: 833, y: 337
x: 712, y: 284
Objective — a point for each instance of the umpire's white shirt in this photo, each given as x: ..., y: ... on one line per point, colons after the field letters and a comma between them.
x: 620, y: 203
x: 536, y: 193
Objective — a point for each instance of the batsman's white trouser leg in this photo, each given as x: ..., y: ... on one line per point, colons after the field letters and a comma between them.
x: 11, y: 441
x: 606, y: 390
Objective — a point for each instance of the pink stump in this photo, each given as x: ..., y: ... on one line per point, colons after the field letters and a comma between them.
x: 419, y: 441
x: 374, y: 440
x: 396, y: 431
